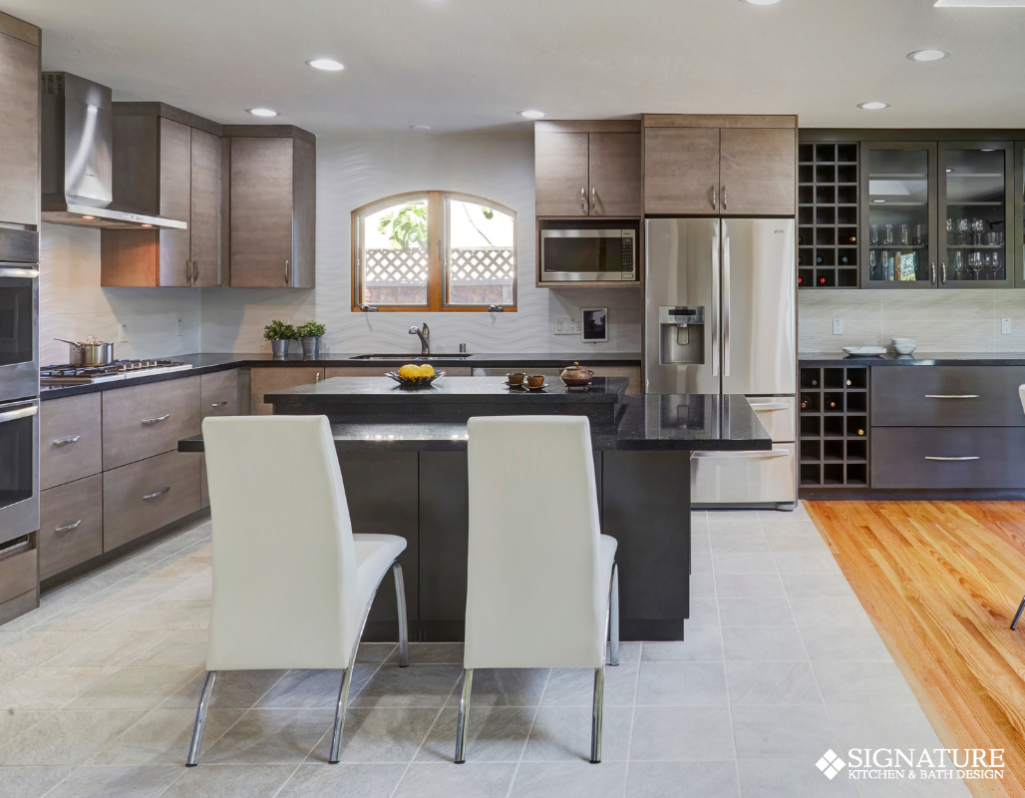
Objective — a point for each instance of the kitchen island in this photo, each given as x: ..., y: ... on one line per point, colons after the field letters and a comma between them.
x: 403, y: 458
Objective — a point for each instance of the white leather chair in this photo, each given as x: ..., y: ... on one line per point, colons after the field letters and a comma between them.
x: 292, y: 586
x: 1021, y: 607
x: 542, y: 581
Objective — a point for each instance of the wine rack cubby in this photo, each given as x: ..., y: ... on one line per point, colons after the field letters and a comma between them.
x: 834, y: 431
x: 827, y: 215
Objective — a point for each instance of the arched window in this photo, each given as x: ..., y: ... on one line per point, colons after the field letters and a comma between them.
x: 435, y: 251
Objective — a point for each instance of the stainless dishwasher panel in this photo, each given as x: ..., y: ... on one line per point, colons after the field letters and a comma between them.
x: 738, y: 478
x: 778, y: 415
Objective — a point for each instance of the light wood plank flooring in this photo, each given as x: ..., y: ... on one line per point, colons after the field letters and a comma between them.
x: 941, y: 582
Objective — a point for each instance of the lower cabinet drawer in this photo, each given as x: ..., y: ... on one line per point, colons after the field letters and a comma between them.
x: 147, y: 495
x: 70, y: 525
x: 745, y: 477
x: 18, y: 567
x: 948, y: 457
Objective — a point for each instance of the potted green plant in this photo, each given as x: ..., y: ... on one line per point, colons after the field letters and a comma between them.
x: 310, y: 334
x: 280, y: 335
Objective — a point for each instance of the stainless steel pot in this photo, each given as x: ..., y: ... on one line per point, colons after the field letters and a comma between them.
x: 89, y: 353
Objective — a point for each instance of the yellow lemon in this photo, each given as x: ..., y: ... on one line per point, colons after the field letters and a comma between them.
x: 409, y: 372
x: 426, y: 370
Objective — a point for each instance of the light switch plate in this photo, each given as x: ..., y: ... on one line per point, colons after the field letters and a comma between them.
x: 1005, y: 326
x: 566, y: 326
x: 837, y: 326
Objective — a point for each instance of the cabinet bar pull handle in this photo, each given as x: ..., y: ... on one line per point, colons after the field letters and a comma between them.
x: 932, y: 273
x: 715, y: 197
x: 943, y: 273
x: 715, y: 307
x: 583, y: 200
x: 195, y: 272
x: 288, y: 272
x: 594, y: 200
x: 151, y: 421
x: 952, y: 396
x: 69, y: 527
x: 66, y: 441
x: 188, y: 272
x: 160, y: 492
x: 725, y: 199
x: 951, y: 458
x: 219, y: 404
x: 725, y: 302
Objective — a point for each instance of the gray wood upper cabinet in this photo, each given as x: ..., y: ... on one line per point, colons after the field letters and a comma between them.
x: 587, y: 169
x: 168, y: 167
x: 720, y: 165
x: 272, y: 208
x: 19, y: 122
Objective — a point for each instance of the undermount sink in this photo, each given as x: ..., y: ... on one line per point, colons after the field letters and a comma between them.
x: 411, y: 357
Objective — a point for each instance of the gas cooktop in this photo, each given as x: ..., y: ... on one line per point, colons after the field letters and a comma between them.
x: 118, y: 370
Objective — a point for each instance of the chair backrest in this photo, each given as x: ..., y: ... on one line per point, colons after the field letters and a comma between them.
x: 534, y: 596
x: 284, y: 568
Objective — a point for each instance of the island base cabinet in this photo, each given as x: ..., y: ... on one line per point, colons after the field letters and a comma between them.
x: 147, y: 495
x: 937, y: 458
x: 70, y: 525
x: 381, y: 489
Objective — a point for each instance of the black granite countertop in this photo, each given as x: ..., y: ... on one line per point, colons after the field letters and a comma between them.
x: 826, y: 359
x: 684, y: 422
x: 210, y: 362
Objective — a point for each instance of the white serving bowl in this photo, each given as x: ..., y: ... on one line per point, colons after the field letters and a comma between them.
x: 904, y: 346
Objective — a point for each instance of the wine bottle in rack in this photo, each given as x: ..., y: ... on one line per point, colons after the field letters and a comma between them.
x: 805, y: 403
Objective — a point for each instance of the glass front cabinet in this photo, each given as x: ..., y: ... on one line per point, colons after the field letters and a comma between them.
x: 938, y: 215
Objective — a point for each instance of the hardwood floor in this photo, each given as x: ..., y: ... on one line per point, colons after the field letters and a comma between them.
x: 941, y: 581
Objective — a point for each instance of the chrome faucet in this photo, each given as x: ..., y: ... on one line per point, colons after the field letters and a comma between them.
x: 425, y: 337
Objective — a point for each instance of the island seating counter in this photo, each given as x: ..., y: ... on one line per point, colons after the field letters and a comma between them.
x: 403, y: 460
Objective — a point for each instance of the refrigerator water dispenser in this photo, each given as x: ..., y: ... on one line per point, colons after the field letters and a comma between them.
x: 682, y: 335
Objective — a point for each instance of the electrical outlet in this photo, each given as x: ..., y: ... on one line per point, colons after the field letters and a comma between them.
x: 837, y: 326
x: 1005, y: 326
x: 567, y: 326
x: 123, y: 334
x: 177, y: 328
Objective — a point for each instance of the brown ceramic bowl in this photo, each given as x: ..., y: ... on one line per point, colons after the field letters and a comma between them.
x: 515, y: 378
x: 535, y: 380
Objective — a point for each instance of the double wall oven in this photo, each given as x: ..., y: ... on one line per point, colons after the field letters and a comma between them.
x: 19, y: 385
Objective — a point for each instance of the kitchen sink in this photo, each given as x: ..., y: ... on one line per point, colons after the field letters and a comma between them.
x: 412, y: 357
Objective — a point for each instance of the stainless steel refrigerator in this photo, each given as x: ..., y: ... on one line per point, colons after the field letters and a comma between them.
x: 720, y: 318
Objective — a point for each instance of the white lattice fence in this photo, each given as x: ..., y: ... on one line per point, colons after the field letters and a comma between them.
x: 396, y: 267
x: 471, y: 266
x: 482, y: 266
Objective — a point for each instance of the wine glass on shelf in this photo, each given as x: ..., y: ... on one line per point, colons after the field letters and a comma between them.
x: 997, y: 267
x: 978, y: 226
x: 975, y: 263
x: 987, y: 266
x: 962, y: 232
x: 959, y: 265
x: 950, y: 231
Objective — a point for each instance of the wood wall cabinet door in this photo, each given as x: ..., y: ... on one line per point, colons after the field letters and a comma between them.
x: 175, y: 190
x: 261, y: 213
x: 561, y: 174
x: 758, y: 172
x: 70, y: 525
x: 614, y: 174
x: 69, y: 439
x: 267, y: 380
x: 19, y: 130
x: 681, y: 171
x: 205, y: 209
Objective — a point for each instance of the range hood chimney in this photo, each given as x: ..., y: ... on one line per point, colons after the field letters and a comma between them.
x: 77, y: 158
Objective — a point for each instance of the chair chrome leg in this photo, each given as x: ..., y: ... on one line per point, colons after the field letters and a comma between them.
x: 614, y: 616
x: 464, y: 711
x: 343, y: 700
x: 200, y: 724
x: 596, y: 708
x: 400, y: 601
x: 1017, y: 615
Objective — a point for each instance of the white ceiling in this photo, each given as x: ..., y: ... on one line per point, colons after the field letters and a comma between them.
x: 470, y: 64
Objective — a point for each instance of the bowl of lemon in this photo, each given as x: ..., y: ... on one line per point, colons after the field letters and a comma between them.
x: 413, y: 376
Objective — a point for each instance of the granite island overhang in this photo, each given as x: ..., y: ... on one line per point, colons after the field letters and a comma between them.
x: 403, y: 459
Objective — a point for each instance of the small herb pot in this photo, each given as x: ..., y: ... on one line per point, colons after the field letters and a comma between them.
x: 280, y: 348
x: 311, y: 348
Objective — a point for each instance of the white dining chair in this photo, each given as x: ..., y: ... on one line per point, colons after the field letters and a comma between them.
x: 1021, y: 607
x: 292, y: 585
x: 542, y: 584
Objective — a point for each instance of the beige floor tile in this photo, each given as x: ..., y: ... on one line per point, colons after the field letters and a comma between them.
x: 443, y: 780
x: 358, y: 781
x: 271, y: 736
x: 14, y: 723
x: 8, y: 673
x: 88, y: 616
x: 108, y: 648
x: 50, y: 688
x: 30, y: 782
x: 230, y: 781
x: 187, y: 649
x: 116, y: 782
x: 195, y: 588
x: 135, y: 688
x: 66, y: 737
x: 162, y: 737
x: 232, y: 689
x: 170, y: 615
x: 35, y: 648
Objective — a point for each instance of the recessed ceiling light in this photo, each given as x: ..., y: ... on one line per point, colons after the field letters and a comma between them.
x: 980, y: 3
x: 420, y: 127
x: 875, y: 105
x: 145, y: 225
x: 928, y: 55
x: 88, y: 217
x: 532, y: 114
x: 263, y: 112
x: 326, y: 64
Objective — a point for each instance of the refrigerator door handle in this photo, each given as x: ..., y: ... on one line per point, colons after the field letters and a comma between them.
x: 726, y: 305
x: 715, y: 306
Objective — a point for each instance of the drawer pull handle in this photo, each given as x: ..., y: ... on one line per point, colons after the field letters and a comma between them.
x: 160, y: 492
x: 151, y: 421
x: 21, y: 412
x: 69, y: 527
x: 14, y: 545
x: 952, y: 396
x: 766, y: 406
x: 219, y: 404
x: 66, y: 441
x: 951, y: 459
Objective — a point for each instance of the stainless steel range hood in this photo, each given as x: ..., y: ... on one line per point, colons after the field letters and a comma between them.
x: 77, y: 158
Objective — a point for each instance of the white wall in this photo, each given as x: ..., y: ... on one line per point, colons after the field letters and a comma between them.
x: 941, y: 321
x: 72, y: 304
x: 355, y: 170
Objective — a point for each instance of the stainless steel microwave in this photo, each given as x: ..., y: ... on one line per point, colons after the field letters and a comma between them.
x: 570, y: 256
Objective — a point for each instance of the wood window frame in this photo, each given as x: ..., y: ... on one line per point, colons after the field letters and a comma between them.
x: 437, y: 237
